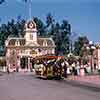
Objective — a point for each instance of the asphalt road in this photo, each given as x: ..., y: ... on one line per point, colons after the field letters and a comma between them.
x: 27, y: 87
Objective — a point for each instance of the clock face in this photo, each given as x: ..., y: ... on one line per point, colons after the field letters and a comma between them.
x: 31, y: 25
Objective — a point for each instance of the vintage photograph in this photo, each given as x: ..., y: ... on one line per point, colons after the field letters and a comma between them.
x: 49, y: 50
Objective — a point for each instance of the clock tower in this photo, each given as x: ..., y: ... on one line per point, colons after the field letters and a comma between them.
x: 30, y: 32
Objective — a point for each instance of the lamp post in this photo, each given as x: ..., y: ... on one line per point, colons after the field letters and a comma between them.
x: 91, y: 49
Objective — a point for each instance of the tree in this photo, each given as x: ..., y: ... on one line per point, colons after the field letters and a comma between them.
x: 3, y: 36
x: 20, y: 27
x: 12, y: 28
x: 49, y: 19
x: 78, y: 45
x: 61, y: 35
x: 57, y: 38
x: 65, y: 35
x: 50, y: 24
x: 60, y: 32
x: 40, y: 26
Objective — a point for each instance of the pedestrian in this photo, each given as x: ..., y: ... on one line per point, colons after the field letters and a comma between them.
x: 78, y: 69
x: 99, y: 69
x: 8, y: 70
x: 65, y: 68
x: 65, y: 71
x: 88, y: 68
x: 68, y: 71
x: 85, y: 66
x: 17, y: 69
x: 73, y: 69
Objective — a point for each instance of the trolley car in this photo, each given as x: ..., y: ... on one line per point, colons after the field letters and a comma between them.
x: 50, y: 67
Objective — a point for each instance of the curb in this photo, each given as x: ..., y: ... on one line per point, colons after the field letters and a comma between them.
x: 1, y: 73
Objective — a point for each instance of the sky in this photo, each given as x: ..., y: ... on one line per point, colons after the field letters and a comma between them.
x: 83, y: 15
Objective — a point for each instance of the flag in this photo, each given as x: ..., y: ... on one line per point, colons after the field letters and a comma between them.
x: 25, y: 1
x: 2, y: 1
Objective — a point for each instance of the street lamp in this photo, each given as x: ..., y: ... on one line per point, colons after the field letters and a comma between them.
x: 91, y: 49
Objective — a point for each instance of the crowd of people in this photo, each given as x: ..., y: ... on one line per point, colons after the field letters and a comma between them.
x: 74, y: 68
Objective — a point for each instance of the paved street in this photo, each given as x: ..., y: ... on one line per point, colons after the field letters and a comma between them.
x: 26, y: 87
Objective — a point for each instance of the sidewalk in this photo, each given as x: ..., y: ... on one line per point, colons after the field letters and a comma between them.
x: 94, y: 79
x: 91, y: 81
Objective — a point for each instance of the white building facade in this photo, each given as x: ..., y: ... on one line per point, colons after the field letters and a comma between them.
x: 19, y: 51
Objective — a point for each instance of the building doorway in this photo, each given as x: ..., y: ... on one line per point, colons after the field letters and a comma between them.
x: 24, y: 62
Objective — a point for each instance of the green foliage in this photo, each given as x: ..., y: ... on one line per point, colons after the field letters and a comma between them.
x: 12, y: 28
x: 49, y: 20
x: 78, y: 45
x: 40, y: 26
x: 60, y: 32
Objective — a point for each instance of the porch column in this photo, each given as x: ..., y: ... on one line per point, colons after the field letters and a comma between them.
x: 29, y: 64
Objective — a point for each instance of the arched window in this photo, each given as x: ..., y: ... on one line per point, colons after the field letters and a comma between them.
x: 17, y: 43
x: 44, y: 43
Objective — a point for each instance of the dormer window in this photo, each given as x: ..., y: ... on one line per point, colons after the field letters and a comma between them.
x: 45, y: 43
x: 17, y: 43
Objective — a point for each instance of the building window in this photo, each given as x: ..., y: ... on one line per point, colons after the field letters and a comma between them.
x: 17, y: 43
x: 22, y: 51
x: 31, y: 37
x: 13, y: 52
x: 45, y: 43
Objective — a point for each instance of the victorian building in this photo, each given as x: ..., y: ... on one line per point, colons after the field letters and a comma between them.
x: 19, y: 51
x: 96, y: 55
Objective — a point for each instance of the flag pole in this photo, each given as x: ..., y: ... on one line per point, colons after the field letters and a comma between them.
x: 30, y: 9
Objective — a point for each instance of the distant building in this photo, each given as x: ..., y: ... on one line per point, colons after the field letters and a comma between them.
x: 19, y: 51
x: 96, y: 55
x: 94, y: 59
